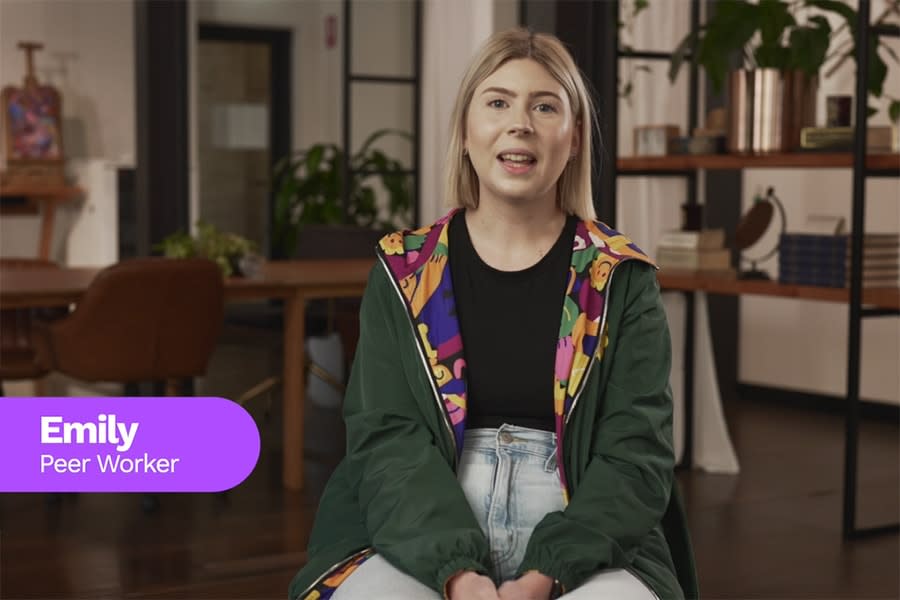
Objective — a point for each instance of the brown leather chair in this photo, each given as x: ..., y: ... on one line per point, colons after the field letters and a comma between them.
x: 18, y: 359
x: 145, y: 319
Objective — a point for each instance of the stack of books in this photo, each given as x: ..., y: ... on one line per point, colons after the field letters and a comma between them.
x: 695, y: 251
x: 824, y: 260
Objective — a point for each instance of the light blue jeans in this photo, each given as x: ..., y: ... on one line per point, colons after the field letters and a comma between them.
x: 509, y: 478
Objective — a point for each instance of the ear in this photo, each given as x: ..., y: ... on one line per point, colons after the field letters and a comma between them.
x: 576, y: 139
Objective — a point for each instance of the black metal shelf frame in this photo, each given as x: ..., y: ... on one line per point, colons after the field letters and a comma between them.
x: 415, y: 81
x: 856, y: 312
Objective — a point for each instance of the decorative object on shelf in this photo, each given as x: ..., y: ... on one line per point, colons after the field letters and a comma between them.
x: 824, y: 260
x: 709, y: 139
x: 234, y: 254
x: 752, y: 227
x: 308, y: 190
x: 654, y: 140
x: 838, y: 110
x: 768, y: 108
x: 880, y: 139
x: 32, y: 126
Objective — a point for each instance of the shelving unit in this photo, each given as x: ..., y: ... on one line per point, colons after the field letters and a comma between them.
x: 876, y: 302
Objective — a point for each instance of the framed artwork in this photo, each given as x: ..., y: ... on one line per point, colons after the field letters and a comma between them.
x: 31, y: 118
x: 32, y: 124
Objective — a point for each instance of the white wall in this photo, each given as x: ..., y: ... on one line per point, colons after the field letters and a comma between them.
x: 453, y: 31
x: 786, y: 343
x: 89, y: 56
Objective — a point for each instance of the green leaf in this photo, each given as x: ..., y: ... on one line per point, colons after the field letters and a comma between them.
x: 839, y: 7
x: 774, y: 18
x: 809, y: 46
x: 314, y: 159
x: 685, y: 47
x: 871, y: 111
x: 772, y: 57
x: 894, y: 111
x: 877, y: 70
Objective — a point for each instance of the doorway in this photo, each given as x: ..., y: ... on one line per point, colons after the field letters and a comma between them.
x: 243, y: 126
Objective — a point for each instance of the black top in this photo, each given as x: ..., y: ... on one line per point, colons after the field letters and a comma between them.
x: 509, y: 321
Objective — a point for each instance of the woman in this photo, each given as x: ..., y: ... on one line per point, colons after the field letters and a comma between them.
x: 508, y: 413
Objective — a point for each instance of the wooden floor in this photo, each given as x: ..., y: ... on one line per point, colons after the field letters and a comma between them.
x: 771, y: 532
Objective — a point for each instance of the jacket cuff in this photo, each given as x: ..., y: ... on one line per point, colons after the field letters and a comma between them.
x: 568, y: 580
x: 453, y: 567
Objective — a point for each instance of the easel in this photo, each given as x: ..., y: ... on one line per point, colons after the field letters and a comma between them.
x: 39, y: 180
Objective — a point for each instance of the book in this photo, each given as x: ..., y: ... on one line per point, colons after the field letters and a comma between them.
x: 821, y: 243
x: 718, y: 259
x: 706, y: 239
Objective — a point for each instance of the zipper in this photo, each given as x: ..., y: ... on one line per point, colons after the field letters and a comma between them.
x: 329, y: 571
x: 589, y: 367
x: 599, y: 343
x: 436, y: 394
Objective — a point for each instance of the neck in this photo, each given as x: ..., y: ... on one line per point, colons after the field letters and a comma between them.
x: 512, y: 237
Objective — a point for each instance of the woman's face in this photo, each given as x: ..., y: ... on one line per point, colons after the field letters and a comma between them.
x: 520, y: 133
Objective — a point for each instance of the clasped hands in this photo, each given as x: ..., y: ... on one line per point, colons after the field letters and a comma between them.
x: 472, y: 586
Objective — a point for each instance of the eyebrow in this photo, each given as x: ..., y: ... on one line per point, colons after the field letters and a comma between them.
x: 506, y: 92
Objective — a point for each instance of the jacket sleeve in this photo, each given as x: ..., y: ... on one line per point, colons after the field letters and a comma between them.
x: 413, y: 506
x: 625, y: 489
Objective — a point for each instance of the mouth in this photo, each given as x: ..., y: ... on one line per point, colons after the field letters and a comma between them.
x: 517, y: 161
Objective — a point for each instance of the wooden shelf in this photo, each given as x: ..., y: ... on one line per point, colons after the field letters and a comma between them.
x: 809, y: 160
x: 691, y: 281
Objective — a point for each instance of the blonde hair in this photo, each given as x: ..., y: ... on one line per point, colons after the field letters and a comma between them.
x: 573, y: 189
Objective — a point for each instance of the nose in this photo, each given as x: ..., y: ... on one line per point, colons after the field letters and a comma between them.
x: 521, y: 124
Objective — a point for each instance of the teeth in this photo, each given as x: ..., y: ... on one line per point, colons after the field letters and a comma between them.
x: 516, y: 157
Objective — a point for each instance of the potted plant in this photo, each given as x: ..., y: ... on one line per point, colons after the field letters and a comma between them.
x: 234, y: 254
x: 309, y: 191
x: 772, y: 39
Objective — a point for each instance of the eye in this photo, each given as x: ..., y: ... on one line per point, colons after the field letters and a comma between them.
x: 498, y: 103
x: 545, y: 108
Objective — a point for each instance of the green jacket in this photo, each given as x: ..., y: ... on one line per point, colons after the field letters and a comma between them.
x: 396, y: 491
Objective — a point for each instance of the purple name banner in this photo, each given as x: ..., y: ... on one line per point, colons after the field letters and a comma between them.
x: 168, y: 444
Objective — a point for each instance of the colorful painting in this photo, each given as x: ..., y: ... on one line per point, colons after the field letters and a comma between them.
x: 32, y: 123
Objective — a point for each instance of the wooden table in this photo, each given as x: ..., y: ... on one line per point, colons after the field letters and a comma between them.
x: 295, y: 282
